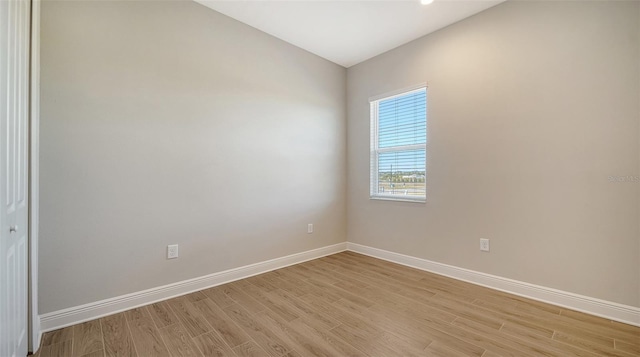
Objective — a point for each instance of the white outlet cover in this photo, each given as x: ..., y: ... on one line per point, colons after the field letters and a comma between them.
x: 484, y: 244
x: 310, y: 228
x: 172, y: 251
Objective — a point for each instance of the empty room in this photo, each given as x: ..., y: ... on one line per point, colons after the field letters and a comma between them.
x: 319, y: 178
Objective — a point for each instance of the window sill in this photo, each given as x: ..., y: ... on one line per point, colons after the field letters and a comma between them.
x: 399, y: 199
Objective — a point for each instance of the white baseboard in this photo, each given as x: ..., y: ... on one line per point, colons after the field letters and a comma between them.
x: 74, y: 315
x: 607, y: 309
x: 71, y: 316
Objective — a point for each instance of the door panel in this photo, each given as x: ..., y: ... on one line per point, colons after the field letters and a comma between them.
x: 14, y: 114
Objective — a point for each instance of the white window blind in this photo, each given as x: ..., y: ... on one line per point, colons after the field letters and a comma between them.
x: 399, y: 146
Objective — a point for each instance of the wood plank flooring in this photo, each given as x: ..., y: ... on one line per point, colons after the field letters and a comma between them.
x: 346, y: 304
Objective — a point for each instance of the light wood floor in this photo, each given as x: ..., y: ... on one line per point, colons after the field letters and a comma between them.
x: 346, y: 305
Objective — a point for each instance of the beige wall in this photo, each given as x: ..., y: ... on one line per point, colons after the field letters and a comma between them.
x: 531, y: 107
x: 166, y: 122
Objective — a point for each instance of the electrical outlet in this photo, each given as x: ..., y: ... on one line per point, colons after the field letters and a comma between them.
x: 172, y: 251
x: 310, y: 228
x: 484, y: 244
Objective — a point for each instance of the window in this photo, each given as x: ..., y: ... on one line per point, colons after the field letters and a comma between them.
x: 399, y: 146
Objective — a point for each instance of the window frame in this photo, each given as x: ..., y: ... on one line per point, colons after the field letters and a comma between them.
x: 375, y: 150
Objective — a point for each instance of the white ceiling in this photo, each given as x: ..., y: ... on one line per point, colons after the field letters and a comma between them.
x: 348, y: 32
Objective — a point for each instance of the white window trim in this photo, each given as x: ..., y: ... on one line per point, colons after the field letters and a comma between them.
x: 375, y: 151
x: 399, y: 92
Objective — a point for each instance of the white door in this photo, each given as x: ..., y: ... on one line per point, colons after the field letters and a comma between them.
x: 14, y: 114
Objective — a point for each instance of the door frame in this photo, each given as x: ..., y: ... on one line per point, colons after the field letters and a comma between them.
x: 35, y: 333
